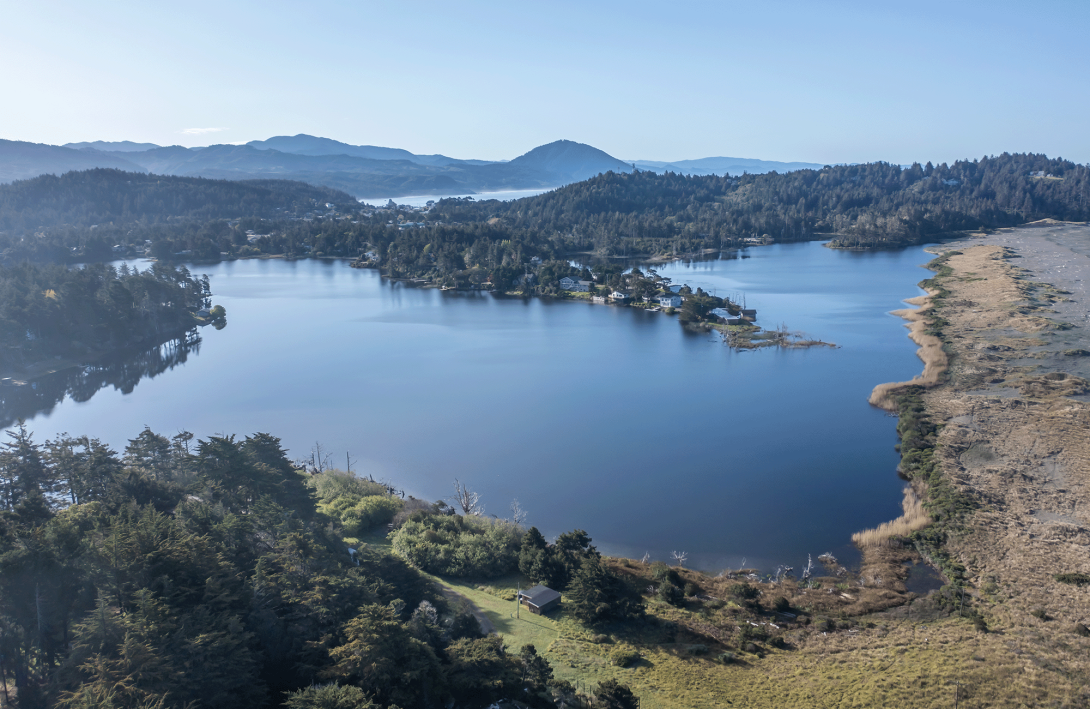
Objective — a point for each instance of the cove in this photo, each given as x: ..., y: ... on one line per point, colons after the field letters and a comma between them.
x: 613, y: 420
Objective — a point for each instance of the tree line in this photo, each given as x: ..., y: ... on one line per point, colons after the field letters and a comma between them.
x: 48, y: 309
x: 188, y: 572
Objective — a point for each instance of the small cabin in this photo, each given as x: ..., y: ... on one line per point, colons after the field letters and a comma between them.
x: 539, y: 599
x: 671, y: 300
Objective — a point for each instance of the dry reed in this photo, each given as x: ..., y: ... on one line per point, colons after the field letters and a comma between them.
x: 914, y: 517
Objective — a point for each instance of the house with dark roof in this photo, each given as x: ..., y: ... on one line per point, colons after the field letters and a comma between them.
x: 539, y: 599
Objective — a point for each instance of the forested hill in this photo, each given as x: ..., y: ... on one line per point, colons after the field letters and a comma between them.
x: 102, y: 196
x: 870, y: 204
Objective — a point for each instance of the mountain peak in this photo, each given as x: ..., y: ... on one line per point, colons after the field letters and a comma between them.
x: 570, y: 160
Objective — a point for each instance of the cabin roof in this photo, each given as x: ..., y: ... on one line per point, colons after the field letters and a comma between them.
x: 540, y: 595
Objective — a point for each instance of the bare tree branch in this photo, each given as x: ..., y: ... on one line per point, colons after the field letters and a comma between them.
x: 469, y: 501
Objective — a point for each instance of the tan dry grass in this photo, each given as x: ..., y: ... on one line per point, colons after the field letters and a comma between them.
x: 915, y: 517
x: 931, y: 352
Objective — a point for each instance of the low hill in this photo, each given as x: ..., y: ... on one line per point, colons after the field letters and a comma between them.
x: 102, y: 196
x: 20, y: 160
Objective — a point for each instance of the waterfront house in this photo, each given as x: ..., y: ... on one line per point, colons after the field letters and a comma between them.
x: 620, y: 296
x: 539, y: 599
x: 572, y: 284
x: 670, y: 300
x: 748, y: 313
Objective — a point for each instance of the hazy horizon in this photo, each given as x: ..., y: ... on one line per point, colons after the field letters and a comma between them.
x: 791, y: 81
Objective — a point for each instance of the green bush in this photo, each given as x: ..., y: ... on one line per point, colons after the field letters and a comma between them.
x: 623, y: 656
x: 359, y: 514
x: 697, y: 649
x: 669, y: 593
x: 456, y: 545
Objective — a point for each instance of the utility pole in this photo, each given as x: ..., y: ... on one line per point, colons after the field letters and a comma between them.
x: 957, y: 693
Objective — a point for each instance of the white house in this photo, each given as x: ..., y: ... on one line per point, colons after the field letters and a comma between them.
x: 569, y: 283
x: 670, y: 300
x: 620, y: 296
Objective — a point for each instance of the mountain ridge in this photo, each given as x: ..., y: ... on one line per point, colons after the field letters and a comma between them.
x: 366, y: 171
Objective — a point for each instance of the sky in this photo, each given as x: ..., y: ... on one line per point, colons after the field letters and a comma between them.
x: 824, y: 82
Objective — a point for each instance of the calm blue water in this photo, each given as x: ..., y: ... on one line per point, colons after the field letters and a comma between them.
x: 607, y: 419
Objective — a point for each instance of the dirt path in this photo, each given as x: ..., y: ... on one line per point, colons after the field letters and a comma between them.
x: 487, y: 627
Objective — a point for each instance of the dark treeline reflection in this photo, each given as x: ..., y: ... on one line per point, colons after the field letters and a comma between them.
x: 122, y: 370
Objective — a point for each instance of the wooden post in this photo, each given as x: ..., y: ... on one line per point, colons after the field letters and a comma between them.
x: 957, y: 693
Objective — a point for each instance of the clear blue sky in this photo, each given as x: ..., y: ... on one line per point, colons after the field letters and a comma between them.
x: 811, y: 81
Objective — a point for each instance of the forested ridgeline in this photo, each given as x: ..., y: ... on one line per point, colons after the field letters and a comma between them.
x: 49, y: 309
x: 213, y: 573
x: 872, y: 204
x: 462, y: 241
x: 102, y: 196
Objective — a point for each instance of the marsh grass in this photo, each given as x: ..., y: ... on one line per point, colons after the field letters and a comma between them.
x: 915, y: 517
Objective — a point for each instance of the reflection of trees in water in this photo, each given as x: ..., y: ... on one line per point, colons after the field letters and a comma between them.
x: 122, y: 370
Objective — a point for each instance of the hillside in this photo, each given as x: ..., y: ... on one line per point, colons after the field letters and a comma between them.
x: 20, y: 160
x: 101, y: 196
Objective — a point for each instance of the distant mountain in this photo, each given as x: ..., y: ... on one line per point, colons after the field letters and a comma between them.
x: 570, y: 161
x: 124, y: 146
x: 366, y: 171
x: 304, y: 144
x: 21, y: 161
x: 724, y: 166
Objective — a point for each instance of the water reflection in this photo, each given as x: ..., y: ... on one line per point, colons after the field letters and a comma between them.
x: 122, y: 370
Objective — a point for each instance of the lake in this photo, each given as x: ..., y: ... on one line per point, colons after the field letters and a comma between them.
x: 421, y: 200
x: 609, y: 419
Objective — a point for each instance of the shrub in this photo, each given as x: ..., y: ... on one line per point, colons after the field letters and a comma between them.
x: 599, y: 638
x: 697, y: 649
x: 359, y: 514
x: 623, y: 656
x: 1040, y: 614
x: 669, y: 593
x: 726, y: 657
x: 781, y: 604
x: 455, y: 545
x: 596, y: 595
x: 1075, y: 579
x: 1082, y: 630
x: 691, y: 589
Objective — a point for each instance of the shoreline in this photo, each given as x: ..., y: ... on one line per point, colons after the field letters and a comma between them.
x: 930, y: 352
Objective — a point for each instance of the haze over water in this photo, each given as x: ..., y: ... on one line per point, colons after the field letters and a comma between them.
x: 608, y: 419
